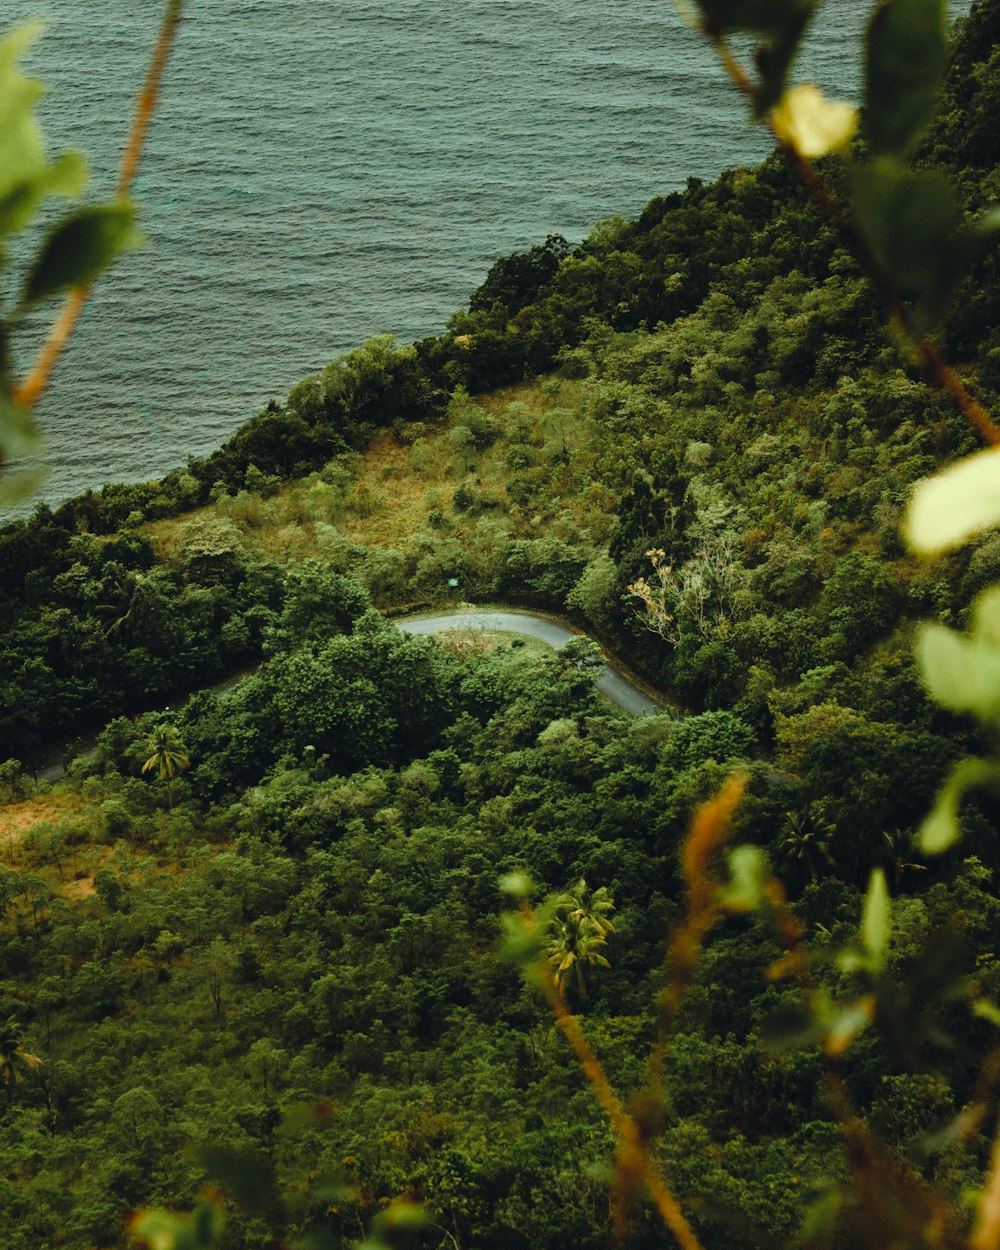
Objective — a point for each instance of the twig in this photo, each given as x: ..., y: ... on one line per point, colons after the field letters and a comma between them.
x: 632, y: 1149
x: 935, y: 368
x: 986, y: 1231
x: 28, y: 391
x: 710, y: 828
x: 146, y: 104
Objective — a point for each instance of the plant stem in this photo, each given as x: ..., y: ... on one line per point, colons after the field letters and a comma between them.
x: 986, y: 1233
x: 27, y: 392
x: 632, y: 1150
x: 936, y: 370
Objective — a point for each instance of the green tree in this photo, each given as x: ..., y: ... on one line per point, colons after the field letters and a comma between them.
x: 807, y: 843
x: 588, y: 907
x: 578, y: 939
x: 13, y: 1056
x: 168, y: 756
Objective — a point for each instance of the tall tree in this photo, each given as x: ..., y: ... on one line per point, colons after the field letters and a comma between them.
x: 13, y: 1056
x: 574, y: 947
x: 168, y: 756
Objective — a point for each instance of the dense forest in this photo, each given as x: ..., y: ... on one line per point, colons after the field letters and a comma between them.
x: 260, y: 916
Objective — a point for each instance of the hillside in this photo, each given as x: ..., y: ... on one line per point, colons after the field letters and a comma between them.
x: 268, y: 923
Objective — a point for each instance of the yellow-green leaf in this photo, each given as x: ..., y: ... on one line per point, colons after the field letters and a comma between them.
x: 25, y: 174
x: 810, y: 123
x: 941, y: 829
x: 748, y: 877
x: 17, y: 487
x: 876, y: 918
x: 19, y: 435
x: 951, y: 507
x: 961, y: 673
x: 986, y: 1011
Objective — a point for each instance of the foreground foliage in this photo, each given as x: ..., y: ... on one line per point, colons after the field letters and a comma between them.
x: 279, y: 970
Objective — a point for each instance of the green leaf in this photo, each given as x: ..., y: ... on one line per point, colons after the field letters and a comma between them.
x: 22, y: 153
x: 25, y: 174
x: 820, y: 1217
x: 748, y: 869
x: 876, y: 918
x: 79, y: 248
x: 987, y: 224
x: 19, y: 435
x: 774, y: 60
x: 245, y: 1178
x: 911, y: 220
x: 986, y: 1010
x: 941, y: 830
x: 960, y: 673
x: 15, y: 488
x: 759, y: 17
x: 906, y: 51
x: 986, y: 618
x: 523, y: 939
x: 401, y: 1214
x: 780, y: 23
x: 951, y: 507
x: 517, y: 884
x: 67, y: 175
x: 162, y: 1230
x: 850, y: 1021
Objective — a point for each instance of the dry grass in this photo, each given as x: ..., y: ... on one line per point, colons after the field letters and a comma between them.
x: 382, y: 498
x: 475, y: 640
x: 403, y: 504
x: 17, y: 818
x: 82, y: 887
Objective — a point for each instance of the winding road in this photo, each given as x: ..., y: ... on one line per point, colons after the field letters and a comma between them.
x: 617, y: 688
x: 613, y: 685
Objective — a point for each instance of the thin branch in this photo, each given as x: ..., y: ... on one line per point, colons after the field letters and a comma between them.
x: 632, y: 1150
x: 986, y: 1232
x: 28, y: 391
x: 935, y: 368
x: 711, y: 826
x: 146, y: 104
x: 899, y: 1208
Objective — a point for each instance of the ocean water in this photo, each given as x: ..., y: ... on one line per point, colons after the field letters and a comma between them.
x: 320, y: 171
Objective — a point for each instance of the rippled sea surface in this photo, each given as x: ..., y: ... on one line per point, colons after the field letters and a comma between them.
x: 320, y: 171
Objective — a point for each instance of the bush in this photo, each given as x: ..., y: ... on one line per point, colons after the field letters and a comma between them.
x: 15, y: 784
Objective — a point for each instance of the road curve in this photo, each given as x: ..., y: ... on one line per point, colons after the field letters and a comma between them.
x: 617, y: 688
x: 611, y: 684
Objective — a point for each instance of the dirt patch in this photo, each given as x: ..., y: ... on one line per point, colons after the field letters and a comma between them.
x: 83, y: 887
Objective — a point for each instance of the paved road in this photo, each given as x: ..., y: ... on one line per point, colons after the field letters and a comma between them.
x: 617, y: 688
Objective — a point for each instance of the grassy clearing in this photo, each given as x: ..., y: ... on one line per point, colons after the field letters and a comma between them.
x: 436, y: 486
x: 17, y: 819
x: 474, y: 640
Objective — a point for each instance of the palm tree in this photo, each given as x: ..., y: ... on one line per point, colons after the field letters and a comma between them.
x: 168, y: 756
x: 13, y: 1056
x: 574, y: 947
x: 118, y: 600
x: 899, y: 848
x: 587, y: 906
x: 808, y: 843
